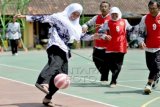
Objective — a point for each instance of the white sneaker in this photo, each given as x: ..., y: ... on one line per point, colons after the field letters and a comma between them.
x: 16, y: 54
x: 147, y: 89
x: 104, y: 83
x: 113, y: 85
x: 155, y: 83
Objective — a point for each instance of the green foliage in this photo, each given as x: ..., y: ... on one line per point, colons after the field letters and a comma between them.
x: 84, y: 20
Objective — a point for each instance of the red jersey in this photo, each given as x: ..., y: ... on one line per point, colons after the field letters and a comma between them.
x: 153, y: 31
x: 99, y: 21
x: 117, y: 30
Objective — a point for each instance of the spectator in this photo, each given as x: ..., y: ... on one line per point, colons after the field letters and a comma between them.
x: 14, y: 34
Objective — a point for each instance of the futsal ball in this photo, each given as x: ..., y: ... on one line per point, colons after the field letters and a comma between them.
x: 62, y: 81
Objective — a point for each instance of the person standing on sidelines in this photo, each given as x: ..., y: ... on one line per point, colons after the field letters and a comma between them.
x: 117, y: 42
x: 99, y: 44
x: 149, y: 39
x: 13, y: 34
x: 64, y: 27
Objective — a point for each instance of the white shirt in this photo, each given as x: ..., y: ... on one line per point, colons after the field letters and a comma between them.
x: 13, y: 31
x: 54, y: 34
x: 63, y: 29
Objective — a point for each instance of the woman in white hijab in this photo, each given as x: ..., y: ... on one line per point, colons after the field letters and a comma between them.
x: 64, y: 27
x: 117, y: 42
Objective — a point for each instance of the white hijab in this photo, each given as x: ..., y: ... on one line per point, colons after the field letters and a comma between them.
x: 73, y: 27
x: 116, y: 10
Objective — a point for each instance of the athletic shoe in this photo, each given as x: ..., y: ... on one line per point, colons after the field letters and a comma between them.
x: 155, y: 83
x: 113, y: 85
x: 16, y: 54
x: 147, y: 89
x: 42, y: 87
x: 104, y: 83
x: 48, y: 103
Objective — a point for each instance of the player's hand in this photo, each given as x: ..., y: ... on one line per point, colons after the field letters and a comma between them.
x: 142, y: 45
x: 84, y: 30
x: 107, y: 37
x: 19, y: 16
x: 96, y: 36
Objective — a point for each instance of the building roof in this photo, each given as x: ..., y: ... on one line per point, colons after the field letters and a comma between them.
x: 91, y: 7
